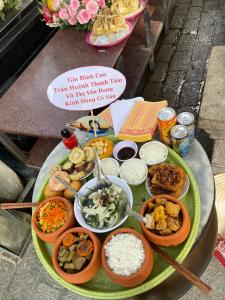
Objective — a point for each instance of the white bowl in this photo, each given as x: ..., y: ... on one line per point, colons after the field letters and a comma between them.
x: 124, y: 144
x: 86, y: 189
x: 102, y: 164
x: 127, y: 164
x: 159, y: 147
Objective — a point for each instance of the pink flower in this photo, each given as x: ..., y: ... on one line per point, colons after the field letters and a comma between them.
x: 101, y: 3
x: 92, y: 7
x: 85, y: 2
x: 72, y: 21
x: 75, y: 4
x: 56, y: 5
x: 47, y: 15
x: 55, y: 17
x: 63, y: 14
x: 71, y: 11
x: 84, y: 16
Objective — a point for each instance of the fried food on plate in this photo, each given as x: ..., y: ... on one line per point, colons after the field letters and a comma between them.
x: 167, y: 178
x: 108, y: 23
x: 124, y: 7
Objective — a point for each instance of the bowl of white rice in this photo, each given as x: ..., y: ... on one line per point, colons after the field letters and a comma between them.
x: 134, y: 171
x: 153, y: 153
x: 109, y: 165
x: 127, y: 257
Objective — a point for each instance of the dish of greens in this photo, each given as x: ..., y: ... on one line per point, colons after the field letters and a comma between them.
x: 104, y: 207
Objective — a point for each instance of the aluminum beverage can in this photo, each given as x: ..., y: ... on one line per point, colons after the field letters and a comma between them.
x: 166, y: 120
x: 188, y: 120
x: 180, y: 140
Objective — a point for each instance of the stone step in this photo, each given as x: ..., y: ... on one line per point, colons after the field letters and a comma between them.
x: 212, y: 112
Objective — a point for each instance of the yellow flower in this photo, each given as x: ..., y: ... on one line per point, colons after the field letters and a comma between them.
x: 1, y: 5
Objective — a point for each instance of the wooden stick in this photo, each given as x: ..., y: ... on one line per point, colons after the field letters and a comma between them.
x: 195, y: 280
x: 92, y: 117
x: 18, y: 205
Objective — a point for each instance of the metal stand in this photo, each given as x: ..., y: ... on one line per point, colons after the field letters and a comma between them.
x: 149, y: 37
x: 12, y: 148
x: 166, y: 16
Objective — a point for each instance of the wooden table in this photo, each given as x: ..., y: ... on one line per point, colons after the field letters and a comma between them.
x: 25, y: 108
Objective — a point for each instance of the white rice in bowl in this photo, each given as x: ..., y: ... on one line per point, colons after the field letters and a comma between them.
x: 134, y: 171
x: 125, y: 254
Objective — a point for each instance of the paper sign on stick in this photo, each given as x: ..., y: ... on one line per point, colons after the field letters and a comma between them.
x: 86, y: 88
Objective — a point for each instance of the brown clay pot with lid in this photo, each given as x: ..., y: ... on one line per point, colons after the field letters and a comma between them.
x: 142, y: 274
x: 172, y: 239
x: 93, y: 266
x: 70, y: 221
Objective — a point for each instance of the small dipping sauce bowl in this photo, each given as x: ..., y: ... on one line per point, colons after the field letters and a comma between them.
x: 125, y: 150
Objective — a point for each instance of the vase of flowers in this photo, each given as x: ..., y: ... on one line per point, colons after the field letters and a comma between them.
x: 80, y: 14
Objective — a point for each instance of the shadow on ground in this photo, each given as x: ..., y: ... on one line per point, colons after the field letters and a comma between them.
x: 207, y: 143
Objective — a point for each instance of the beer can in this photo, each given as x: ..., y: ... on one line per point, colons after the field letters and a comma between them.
x: 166, y: 120
x: 180, y: 140
x: 188, y: 120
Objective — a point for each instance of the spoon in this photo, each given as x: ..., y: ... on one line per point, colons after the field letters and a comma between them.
x: 77, y: 196
x: 102, y: 180
x: 132, y: 213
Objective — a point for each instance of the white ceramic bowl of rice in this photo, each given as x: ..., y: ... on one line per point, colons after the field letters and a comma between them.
x: 109, y: 165
x: 134, y: 171
x: 153, y: 153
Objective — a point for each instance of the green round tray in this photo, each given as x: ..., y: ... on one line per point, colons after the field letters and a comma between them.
x: 101, y: 287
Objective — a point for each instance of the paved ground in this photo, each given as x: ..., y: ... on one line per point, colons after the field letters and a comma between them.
x: 180, y: 72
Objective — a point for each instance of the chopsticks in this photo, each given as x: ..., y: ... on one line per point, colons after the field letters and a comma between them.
x: 195, y: 280
x: 18, y: 205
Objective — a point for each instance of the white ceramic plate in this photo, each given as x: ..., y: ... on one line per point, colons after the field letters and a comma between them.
x: 110, y: 40
x: 183, y: 192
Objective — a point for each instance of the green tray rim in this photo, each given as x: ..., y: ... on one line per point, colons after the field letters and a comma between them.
x: 148, y: 285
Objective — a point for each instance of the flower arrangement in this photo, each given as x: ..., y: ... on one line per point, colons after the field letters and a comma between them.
x: 80, y: 14
x: 6, y: 5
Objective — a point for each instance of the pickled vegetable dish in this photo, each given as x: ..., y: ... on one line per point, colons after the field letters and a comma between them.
x: 75, y: 253
x: 104, y: 207
x: 52, y: 216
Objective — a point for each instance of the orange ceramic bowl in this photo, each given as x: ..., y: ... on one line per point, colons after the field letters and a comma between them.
x: 142, y: 274
x: 175, y: 238
x: 92, y: 268
x: 52, y: 237
x: 109, y: 149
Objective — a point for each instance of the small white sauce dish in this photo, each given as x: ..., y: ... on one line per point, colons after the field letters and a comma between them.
x: 134, y: 171
x: 153, y: 153
x: 107, y: 169
x: 124, y: 144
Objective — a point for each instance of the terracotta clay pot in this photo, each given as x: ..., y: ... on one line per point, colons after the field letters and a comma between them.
x: 70, y: 221
x: 92, y: 268
x: 175, y: 238
x: 142, y: 274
